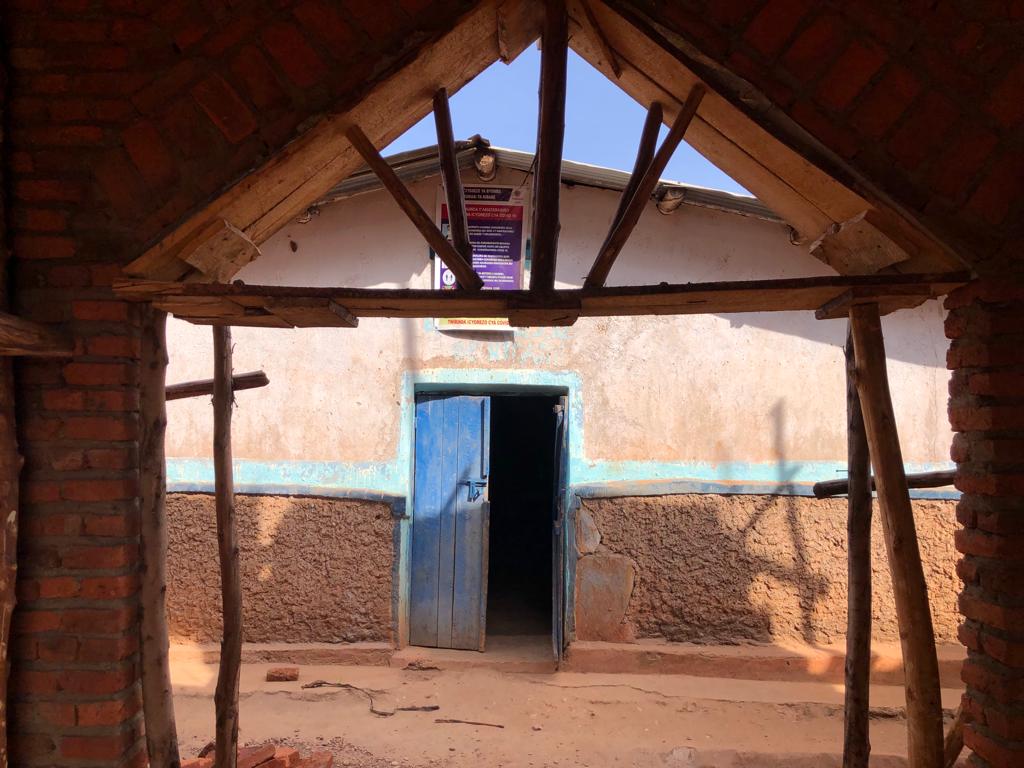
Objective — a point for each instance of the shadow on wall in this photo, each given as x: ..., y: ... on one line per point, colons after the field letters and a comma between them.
x: 725, y: 569
x: 313, y: 569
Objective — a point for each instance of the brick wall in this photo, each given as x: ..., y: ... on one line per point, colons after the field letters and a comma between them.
x: 986, y: 324
x: 125, y: 115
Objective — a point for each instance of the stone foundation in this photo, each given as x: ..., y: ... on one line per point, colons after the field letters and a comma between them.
x: 726, y: 569
x: 313, y: 569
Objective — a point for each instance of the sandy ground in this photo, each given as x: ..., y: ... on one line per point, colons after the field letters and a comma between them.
x: 558, y: 719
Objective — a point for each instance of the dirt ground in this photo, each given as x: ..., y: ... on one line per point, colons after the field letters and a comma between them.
x: 558, y: 719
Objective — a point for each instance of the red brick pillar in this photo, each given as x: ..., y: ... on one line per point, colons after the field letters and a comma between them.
x: 986, y: 409
x: 75, y: 698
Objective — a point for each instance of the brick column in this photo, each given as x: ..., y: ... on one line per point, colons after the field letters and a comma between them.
x: 986, y: 409
x: 75, y: 697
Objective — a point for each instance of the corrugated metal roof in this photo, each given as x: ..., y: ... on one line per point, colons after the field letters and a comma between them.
x: 423, y: 163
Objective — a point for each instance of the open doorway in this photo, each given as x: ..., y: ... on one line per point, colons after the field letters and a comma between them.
x: 522, y: 489
x: 485, y: 556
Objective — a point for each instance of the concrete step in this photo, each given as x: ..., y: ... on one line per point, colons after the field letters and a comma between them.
x: 796, y: 663
x: 362, y: 654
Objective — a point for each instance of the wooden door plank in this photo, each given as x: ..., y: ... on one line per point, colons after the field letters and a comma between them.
x: 426, y: 522
x: 470, y: 578
x: 448, y: 469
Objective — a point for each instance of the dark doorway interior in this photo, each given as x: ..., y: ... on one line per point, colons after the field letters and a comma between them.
x: 521, y: 491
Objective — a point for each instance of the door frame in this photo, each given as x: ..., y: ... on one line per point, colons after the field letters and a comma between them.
x: 402, y: 598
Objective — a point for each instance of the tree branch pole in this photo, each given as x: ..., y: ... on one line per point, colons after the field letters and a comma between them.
x: 226, y: 695
x: 157, y: 698
x: 252, y: 380
x: 856, y: 738
x: 458, y: 222
x: 917, y: 638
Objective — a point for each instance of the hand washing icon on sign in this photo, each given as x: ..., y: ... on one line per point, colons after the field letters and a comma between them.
x: 447, y: 277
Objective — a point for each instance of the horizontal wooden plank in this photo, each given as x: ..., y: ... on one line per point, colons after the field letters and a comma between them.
x: 239, y: 381
x: 213, y: 302
x: 24, y: 338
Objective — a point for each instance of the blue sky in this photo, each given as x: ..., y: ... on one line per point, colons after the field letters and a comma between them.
x: 602, y: 123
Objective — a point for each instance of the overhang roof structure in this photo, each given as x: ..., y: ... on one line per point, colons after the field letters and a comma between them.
x: 424, y: 162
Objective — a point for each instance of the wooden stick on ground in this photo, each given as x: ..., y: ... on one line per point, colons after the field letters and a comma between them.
x: 623, y: 227
x: 461, y: 268
x: 226, y: 695
x: 856, y: 742
x: 917, y: 638
x: 953, y: 744
x: 547, y: 178
x: 252, y: 380
x: 458, y: 224
x: 157, y: 699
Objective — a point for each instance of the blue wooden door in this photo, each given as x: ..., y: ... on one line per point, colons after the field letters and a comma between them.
x: 448, y: 594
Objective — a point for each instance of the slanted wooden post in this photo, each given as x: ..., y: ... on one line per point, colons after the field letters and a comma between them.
x: 917, y: 638
x: 458, y: 222
x: 157, y: 700
x: 856, y: 742
x: 226, y: 696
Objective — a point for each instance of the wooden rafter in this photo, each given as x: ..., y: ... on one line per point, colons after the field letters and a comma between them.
x: 20, y: 337
x: 458, y: 222
x: 547, y: 179
x: 644, y: 156
x: 246, y: 304
x: 622, y: 227
x: 456, y: 262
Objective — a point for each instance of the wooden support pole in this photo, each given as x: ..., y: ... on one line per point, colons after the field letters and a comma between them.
x: 458, y: 223
x: 623, y: 227
x: 10, y: 469
x: 252, y: 380
x: 226, y: 695
x: 644, y: 156
x: 856, y: 742
x: 938, y: 479
x: 462, y: 269
x: 917, y: 638
x: 157, y: 699
x: 547, y: 177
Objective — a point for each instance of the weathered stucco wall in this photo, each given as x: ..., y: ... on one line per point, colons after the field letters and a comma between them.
x: 707, y: 569
x: 313, y: 570
x: 726, y: 397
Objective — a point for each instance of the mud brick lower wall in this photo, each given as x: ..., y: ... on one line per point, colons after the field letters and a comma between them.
x: 723, y: 569
x: 313, y: 569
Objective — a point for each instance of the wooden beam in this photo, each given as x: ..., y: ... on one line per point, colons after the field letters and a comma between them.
x: 456, y: 262
x: 193, y: 301
x: 219, y: 251
x: 10, y: 471
x: 599, y: 37
x: 913, y: 613
x: 623, y: 227
x: 547, y: 177
x: 944, y: 477
x: 856, y: 744
x: 25, y: 338
x: 458, y: 223
x: 226, y: 694
x: 157, y: 698
x: 253, y: 380
x: 644, y: 156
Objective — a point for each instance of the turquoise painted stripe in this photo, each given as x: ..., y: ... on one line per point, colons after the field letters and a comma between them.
x: 337, y: 479
x: 394, y: 477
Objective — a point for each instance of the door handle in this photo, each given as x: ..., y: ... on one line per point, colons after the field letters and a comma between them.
x: 476, y: 486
